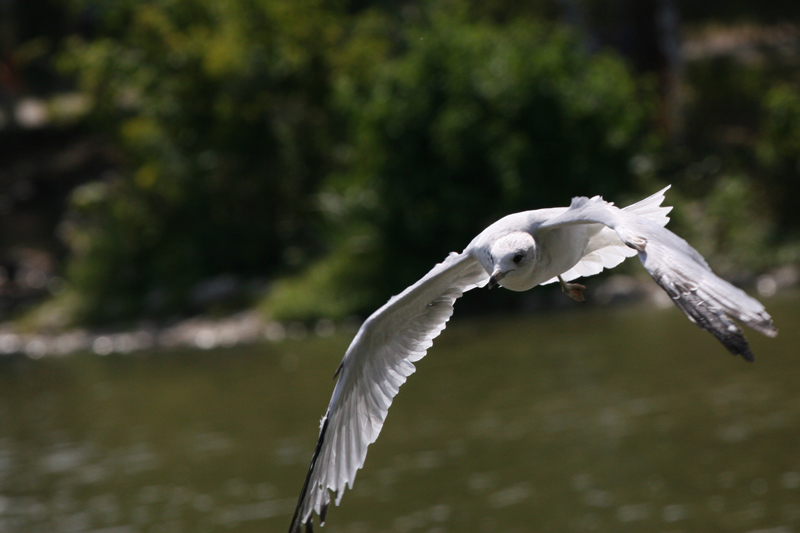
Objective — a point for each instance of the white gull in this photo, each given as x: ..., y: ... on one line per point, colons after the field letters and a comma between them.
x: 517, y: 252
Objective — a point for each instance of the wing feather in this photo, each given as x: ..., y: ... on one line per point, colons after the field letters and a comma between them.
x: 605, y: 250
x: 707, y: 300
x: 651, y: 208
x: 377, y: 363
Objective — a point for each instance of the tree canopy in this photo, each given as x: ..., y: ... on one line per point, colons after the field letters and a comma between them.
x: 316, y: 155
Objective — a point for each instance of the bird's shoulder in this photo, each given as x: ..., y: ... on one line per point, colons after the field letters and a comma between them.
x: 528, y: 221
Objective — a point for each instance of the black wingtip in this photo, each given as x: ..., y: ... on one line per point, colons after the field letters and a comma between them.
x: 297, y: 519
x: 338, y: 370
x: 748, y: 354
x: 713, y: 319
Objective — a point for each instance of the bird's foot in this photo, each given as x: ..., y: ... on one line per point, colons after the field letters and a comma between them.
x: 573, y: 290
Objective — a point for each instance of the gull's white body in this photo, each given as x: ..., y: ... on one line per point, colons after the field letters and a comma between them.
x: 519, y: 252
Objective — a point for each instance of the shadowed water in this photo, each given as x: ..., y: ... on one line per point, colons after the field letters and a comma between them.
x: 607, y: 420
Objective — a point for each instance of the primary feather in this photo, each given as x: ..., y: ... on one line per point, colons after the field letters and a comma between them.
x: 376, y: 364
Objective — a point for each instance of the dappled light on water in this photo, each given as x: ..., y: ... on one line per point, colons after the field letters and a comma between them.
x: 586, y: 420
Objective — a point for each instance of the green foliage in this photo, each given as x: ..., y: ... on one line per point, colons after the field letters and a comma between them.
x: 727, y: 225
x: 737, y: 156
x: 341, y: 148
x: 334, y: 287
x: 471, y: 122
x: 220, y: 112
x: 779, y: 151
x: 347, y: 147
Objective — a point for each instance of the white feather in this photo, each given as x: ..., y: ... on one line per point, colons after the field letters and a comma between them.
x: 606, y: 250
x: 376, y: 364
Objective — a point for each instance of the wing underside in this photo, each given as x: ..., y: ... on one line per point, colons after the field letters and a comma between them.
x: 606, y: 250
x: 377, y: 363
x: 707, y: 300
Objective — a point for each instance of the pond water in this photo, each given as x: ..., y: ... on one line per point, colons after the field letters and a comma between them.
x: 593, y: 419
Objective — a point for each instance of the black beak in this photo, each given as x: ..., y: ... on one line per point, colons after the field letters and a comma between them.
x: 494, y: 279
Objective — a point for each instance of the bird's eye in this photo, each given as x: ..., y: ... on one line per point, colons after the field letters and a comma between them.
x: 518, y: 258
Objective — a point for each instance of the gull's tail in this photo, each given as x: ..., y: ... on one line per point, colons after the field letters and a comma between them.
x: 651, y: 208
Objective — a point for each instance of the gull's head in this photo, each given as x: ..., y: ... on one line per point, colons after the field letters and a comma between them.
x: 513, y: 261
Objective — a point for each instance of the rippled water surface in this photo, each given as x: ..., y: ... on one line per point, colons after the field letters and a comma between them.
x: 607, y: 420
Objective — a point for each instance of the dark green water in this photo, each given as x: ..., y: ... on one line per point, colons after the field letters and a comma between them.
x: 606, y: 420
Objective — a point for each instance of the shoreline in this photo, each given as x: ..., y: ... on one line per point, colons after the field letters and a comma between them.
x: 250, y: 326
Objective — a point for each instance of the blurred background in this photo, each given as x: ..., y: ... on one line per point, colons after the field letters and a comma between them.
x: 200, y: 200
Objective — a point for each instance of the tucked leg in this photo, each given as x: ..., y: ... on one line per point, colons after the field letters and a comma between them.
x: 573, y: 290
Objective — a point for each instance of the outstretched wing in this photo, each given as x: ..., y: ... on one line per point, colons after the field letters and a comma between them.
x: 605, y: 249
x: 378, y: 361
x: 709, y: 301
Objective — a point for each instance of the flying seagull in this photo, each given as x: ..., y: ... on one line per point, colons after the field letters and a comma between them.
x: 517, y: 252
